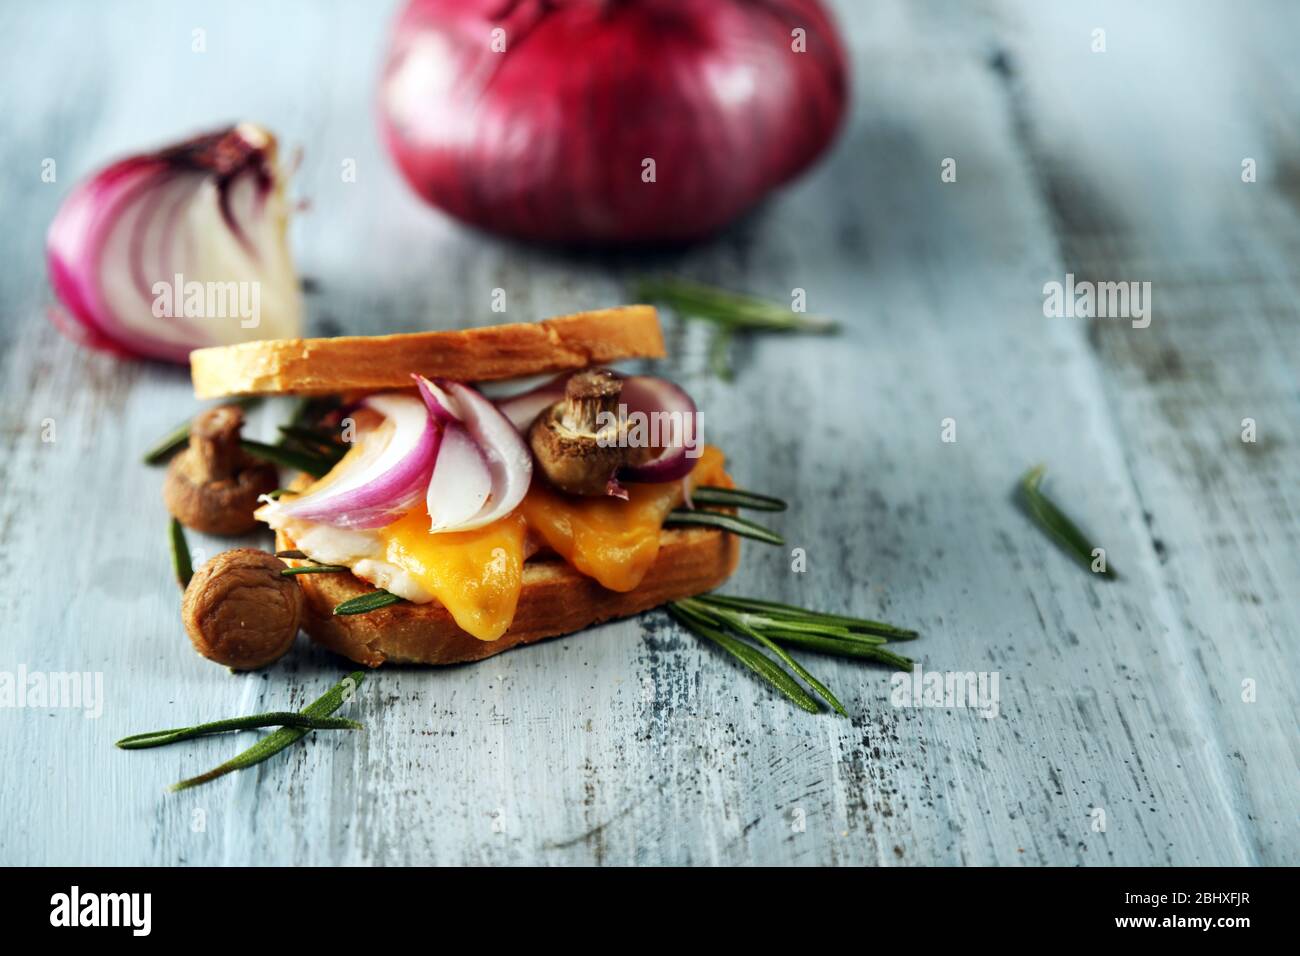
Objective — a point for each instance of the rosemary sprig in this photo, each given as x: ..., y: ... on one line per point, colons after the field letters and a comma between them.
x: 778, y: 610
x: 1053, y: 522
x: 304, y: 432
x: 159, y: 738
x: 732, y: 310
x: 274, y: 742
x: 365, y: 603
x: 725, y: 522
x: 176, y: 439
x: 756, y: 662
x: 738, y: 623
x: 314, y: 465
x: 181, y: 563
x: 314, y: 569
x: 840, y: 648
x: 736, y: 498
x: 771, y: 625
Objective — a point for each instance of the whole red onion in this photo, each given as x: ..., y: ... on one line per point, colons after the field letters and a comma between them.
x: 537, y: 118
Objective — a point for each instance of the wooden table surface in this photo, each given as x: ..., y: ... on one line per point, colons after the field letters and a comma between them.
x: 1167, y: 700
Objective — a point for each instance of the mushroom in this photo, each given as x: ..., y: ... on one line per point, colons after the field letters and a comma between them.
x: 239, y: 610
x: 213, y: 485
x: 580, y: 442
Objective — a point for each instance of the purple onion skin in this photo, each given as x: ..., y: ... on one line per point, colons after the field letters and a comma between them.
x: 646, y: 393
x: 547, y: 140
x: 73, y: 246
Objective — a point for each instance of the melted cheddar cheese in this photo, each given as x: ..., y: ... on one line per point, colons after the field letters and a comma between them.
x: 475, y: 575
x: 612, y: 540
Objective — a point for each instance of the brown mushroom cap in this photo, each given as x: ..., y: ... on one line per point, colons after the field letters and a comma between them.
x: 239, y: 610
x: 213, y: 485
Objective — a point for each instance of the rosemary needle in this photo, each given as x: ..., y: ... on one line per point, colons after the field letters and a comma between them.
x: 725, y: 522
x: 314, y: 465
x: 777, y: 609
x: 1052, y: 520
x: 719, y: 353
x: 312, y: 441
x: 159, y: 738
x: 840, y: 648
x: 736, y: 621
x: 731, y: 310
x: 274, y: 742
x: 176, y: 439
x: 771, y: 625
x: 181, y: 563
x: 751, y: 658
x: 736, y: 498
x: 364, y: 603
x: 314, y: 569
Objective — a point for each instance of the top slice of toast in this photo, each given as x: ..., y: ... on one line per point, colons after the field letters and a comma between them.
x: 357, y: 363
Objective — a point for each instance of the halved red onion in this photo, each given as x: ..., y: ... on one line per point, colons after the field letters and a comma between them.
x: 491, y: 448
x: 163, y: 253
x: 386, y: 474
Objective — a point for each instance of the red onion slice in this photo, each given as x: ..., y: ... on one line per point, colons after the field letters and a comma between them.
x: 500, y: 450
x: 523, y: 409
x: 648, y: 395
x: 461, y: 482
x: 385, y: 476
x: 438, y: 402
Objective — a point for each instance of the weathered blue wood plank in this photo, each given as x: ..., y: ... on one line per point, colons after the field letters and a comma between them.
x: 634, y: 743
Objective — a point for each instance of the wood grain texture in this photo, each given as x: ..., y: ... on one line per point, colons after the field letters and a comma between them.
x: 637, y: 744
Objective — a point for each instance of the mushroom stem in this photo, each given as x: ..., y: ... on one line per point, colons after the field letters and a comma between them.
x: 586, y: 395
x: 213, y: 485
x: 214, y: 442
x: 577, y: 451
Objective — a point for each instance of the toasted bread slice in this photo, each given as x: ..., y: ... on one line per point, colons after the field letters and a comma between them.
x: 555, y: 600
x: 357, y: 363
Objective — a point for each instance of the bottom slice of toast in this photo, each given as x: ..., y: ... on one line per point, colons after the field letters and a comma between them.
x: 555, y: 599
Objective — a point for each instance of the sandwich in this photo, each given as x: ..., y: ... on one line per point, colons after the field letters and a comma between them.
x: 457, y: 513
